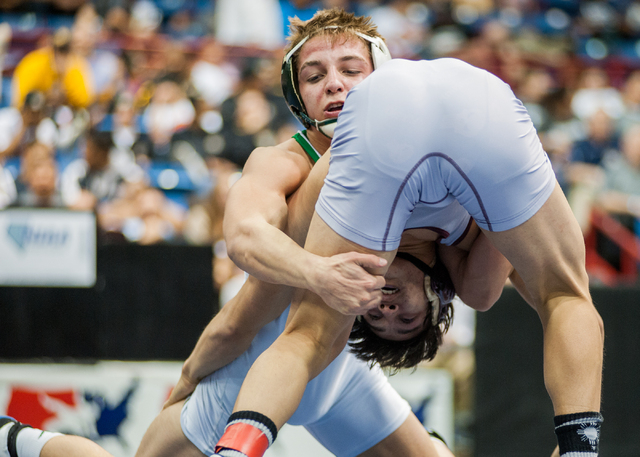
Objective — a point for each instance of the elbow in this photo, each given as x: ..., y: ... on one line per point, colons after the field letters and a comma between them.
x: 237, y: 243
x: 480, y: 300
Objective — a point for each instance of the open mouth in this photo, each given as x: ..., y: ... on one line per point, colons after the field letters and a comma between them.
x: 386, y: 290
x: 334, y: 107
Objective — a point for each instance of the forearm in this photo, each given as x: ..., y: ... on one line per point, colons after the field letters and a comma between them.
x: 232, y: 330
x: 266, y: 252
x: 218, y: 345
x: 478, y: 275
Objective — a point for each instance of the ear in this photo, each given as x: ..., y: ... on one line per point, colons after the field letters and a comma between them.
x: 434, y: 300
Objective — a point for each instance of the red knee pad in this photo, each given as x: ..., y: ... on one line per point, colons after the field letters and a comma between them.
x: 245, y: 438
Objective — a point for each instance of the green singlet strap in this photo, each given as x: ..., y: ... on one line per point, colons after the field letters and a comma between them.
x: 303, y: 140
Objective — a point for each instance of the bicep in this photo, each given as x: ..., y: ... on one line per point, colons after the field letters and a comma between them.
x: 268, y: 178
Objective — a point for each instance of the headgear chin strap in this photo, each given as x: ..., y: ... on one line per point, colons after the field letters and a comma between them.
x: 438, y: 286
x: 379, y: 55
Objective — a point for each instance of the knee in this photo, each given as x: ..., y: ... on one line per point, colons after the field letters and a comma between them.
x: 600, y: 324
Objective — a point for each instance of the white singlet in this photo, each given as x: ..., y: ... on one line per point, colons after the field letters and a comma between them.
x: 348, y: 407
x: 416, y: 137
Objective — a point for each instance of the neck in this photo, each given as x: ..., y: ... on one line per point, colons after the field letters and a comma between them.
x: 418, y: 246
x: 318, y: 140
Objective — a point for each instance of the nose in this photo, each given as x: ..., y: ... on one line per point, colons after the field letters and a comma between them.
x: 334, y: 82
x: 387, y: 309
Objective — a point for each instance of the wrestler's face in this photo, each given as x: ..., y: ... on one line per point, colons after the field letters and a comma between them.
x: 328, y: 67
x: 403, y: 311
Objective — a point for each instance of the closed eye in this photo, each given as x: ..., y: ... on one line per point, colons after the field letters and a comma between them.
x: 313, y: 79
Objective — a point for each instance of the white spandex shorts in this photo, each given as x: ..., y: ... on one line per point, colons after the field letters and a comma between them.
x: 416, y: 137
x: 348, y: 408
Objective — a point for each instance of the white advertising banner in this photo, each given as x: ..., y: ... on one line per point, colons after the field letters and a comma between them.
x: 113, y: 403
x: 47, y: 247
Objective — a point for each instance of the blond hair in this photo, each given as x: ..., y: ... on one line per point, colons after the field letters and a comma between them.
x: 334, y: 23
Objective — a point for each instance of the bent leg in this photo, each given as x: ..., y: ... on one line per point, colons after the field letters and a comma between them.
x: 164, y: 437
x: 312, y: 339
x: 548, y: 253
x: 409, y: 440
x: 72, y: 446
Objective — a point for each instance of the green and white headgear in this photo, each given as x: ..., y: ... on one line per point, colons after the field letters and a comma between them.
x: 379, y: 55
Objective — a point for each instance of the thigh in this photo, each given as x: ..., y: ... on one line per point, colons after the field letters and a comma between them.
x: 164, y: 437
x: 547, y: 251
x: 409, y: 440
x: 366, y: 411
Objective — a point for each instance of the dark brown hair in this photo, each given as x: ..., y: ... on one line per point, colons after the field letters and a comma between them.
x: 371, y: 348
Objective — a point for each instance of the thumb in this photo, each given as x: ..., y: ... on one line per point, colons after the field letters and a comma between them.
x: 370, y: 261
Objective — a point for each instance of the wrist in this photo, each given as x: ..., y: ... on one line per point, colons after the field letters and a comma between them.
x: 309, y: 266
x: 188, y: 376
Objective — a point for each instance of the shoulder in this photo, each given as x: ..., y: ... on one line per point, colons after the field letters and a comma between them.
x: 284, y: 166
x: 288, y: 154
x: 38, y: 56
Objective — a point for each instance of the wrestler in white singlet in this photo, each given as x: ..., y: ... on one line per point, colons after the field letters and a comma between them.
x: 416, y: 136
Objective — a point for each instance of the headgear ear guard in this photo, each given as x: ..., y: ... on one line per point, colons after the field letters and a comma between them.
x: 379, y: 55
x: 438, y: 286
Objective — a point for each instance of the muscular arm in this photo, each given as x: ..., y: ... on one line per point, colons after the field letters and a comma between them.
x: 478, y: 270
x: 257, y: 217
x: 231, y: 331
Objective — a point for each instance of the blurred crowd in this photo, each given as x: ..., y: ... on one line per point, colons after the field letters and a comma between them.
x: 145, y: 111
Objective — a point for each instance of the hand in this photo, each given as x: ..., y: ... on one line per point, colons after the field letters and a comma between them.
x: 182, y: 390
x: 556, y: 452
x: 344, y: 284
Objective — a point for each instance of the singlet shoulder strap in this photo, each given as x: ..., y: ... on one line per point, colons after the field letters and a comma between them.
x: 303, y: 140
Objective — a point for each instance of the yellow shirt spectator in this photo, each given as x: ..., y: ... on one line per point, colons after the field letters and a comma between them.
x: 37, y: 71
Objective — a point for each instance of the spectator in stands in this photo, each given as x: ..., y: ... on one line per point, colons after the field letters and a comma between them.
x: 404, y: 29
x: 253, y: 23
x: 124, y: 127
x: 621, y: 192
x: 213, y: 78
x: 175, y: 63
x: 61, y: 74
x: 169, y: 111
x: 5, y: 39
x: 631, y: 98
x: 20, y: 127
x: 203, y: 225
x: 38, y: 185
x: 143, y: 215
x: 182, y: 25
x: 596, y: 94
x: 93, y: 179
x: 145, y: 19
x: 601, y: 138
x: 7, y: 188
x: 254, y: 116
x: 106, y: 66
x: 536, y: 86
x: 584, y: 172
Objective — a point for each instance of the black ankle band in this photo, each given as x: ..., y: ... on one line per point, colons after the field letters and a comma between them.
x: 13, y: 437
x: 255, y: 416
x: 579, y: 433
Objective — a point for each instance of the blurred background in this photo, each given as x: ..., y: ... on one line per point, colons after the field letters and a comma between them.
x: 123, y: 124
